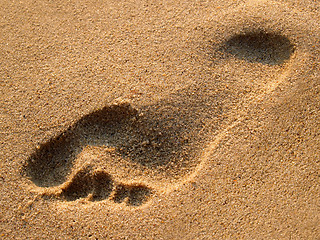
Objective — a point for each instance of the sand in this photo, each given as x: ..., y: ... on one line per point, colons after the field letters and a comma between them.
x: 160, y: 119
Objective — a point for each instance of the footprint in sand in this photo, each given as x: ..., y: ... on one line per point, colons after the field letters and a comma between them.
x: 69, y: 160
x: 123, y: 155
x: 260, y: 46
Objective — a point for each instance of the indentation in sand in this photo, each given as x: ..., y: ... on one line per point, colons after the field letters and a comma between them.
x: 98, y: 185
x: 132, y: 195
x: 115, y: 138
x: 260, y: 46
x: 118, y: 154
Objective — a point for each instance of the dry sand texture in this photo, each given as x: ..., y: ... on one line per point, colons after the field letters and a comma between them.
x: 159, y: 120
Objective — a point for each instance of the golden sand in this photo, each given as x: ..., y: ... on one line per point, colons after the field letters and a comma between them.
x: 160, y: 119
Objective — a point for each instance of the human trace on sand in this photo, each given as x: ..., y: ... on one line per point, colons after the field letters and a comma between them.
x: 95, y: 158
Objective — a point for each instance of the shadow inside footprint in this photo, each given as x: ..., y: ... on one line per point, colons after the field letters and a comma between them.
x: 51, y: 163
x: 102, y: 186
x: 262, y: 47
x: 132, y: 195
x: 120, y: 194
x: 138, y: 195
x: 148, y: 141
x: 80, y: 186
x: 98, y: 184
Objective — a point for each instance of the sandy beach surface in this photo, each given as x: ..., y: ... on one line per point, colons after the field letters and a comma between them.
x: 159, y: 119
